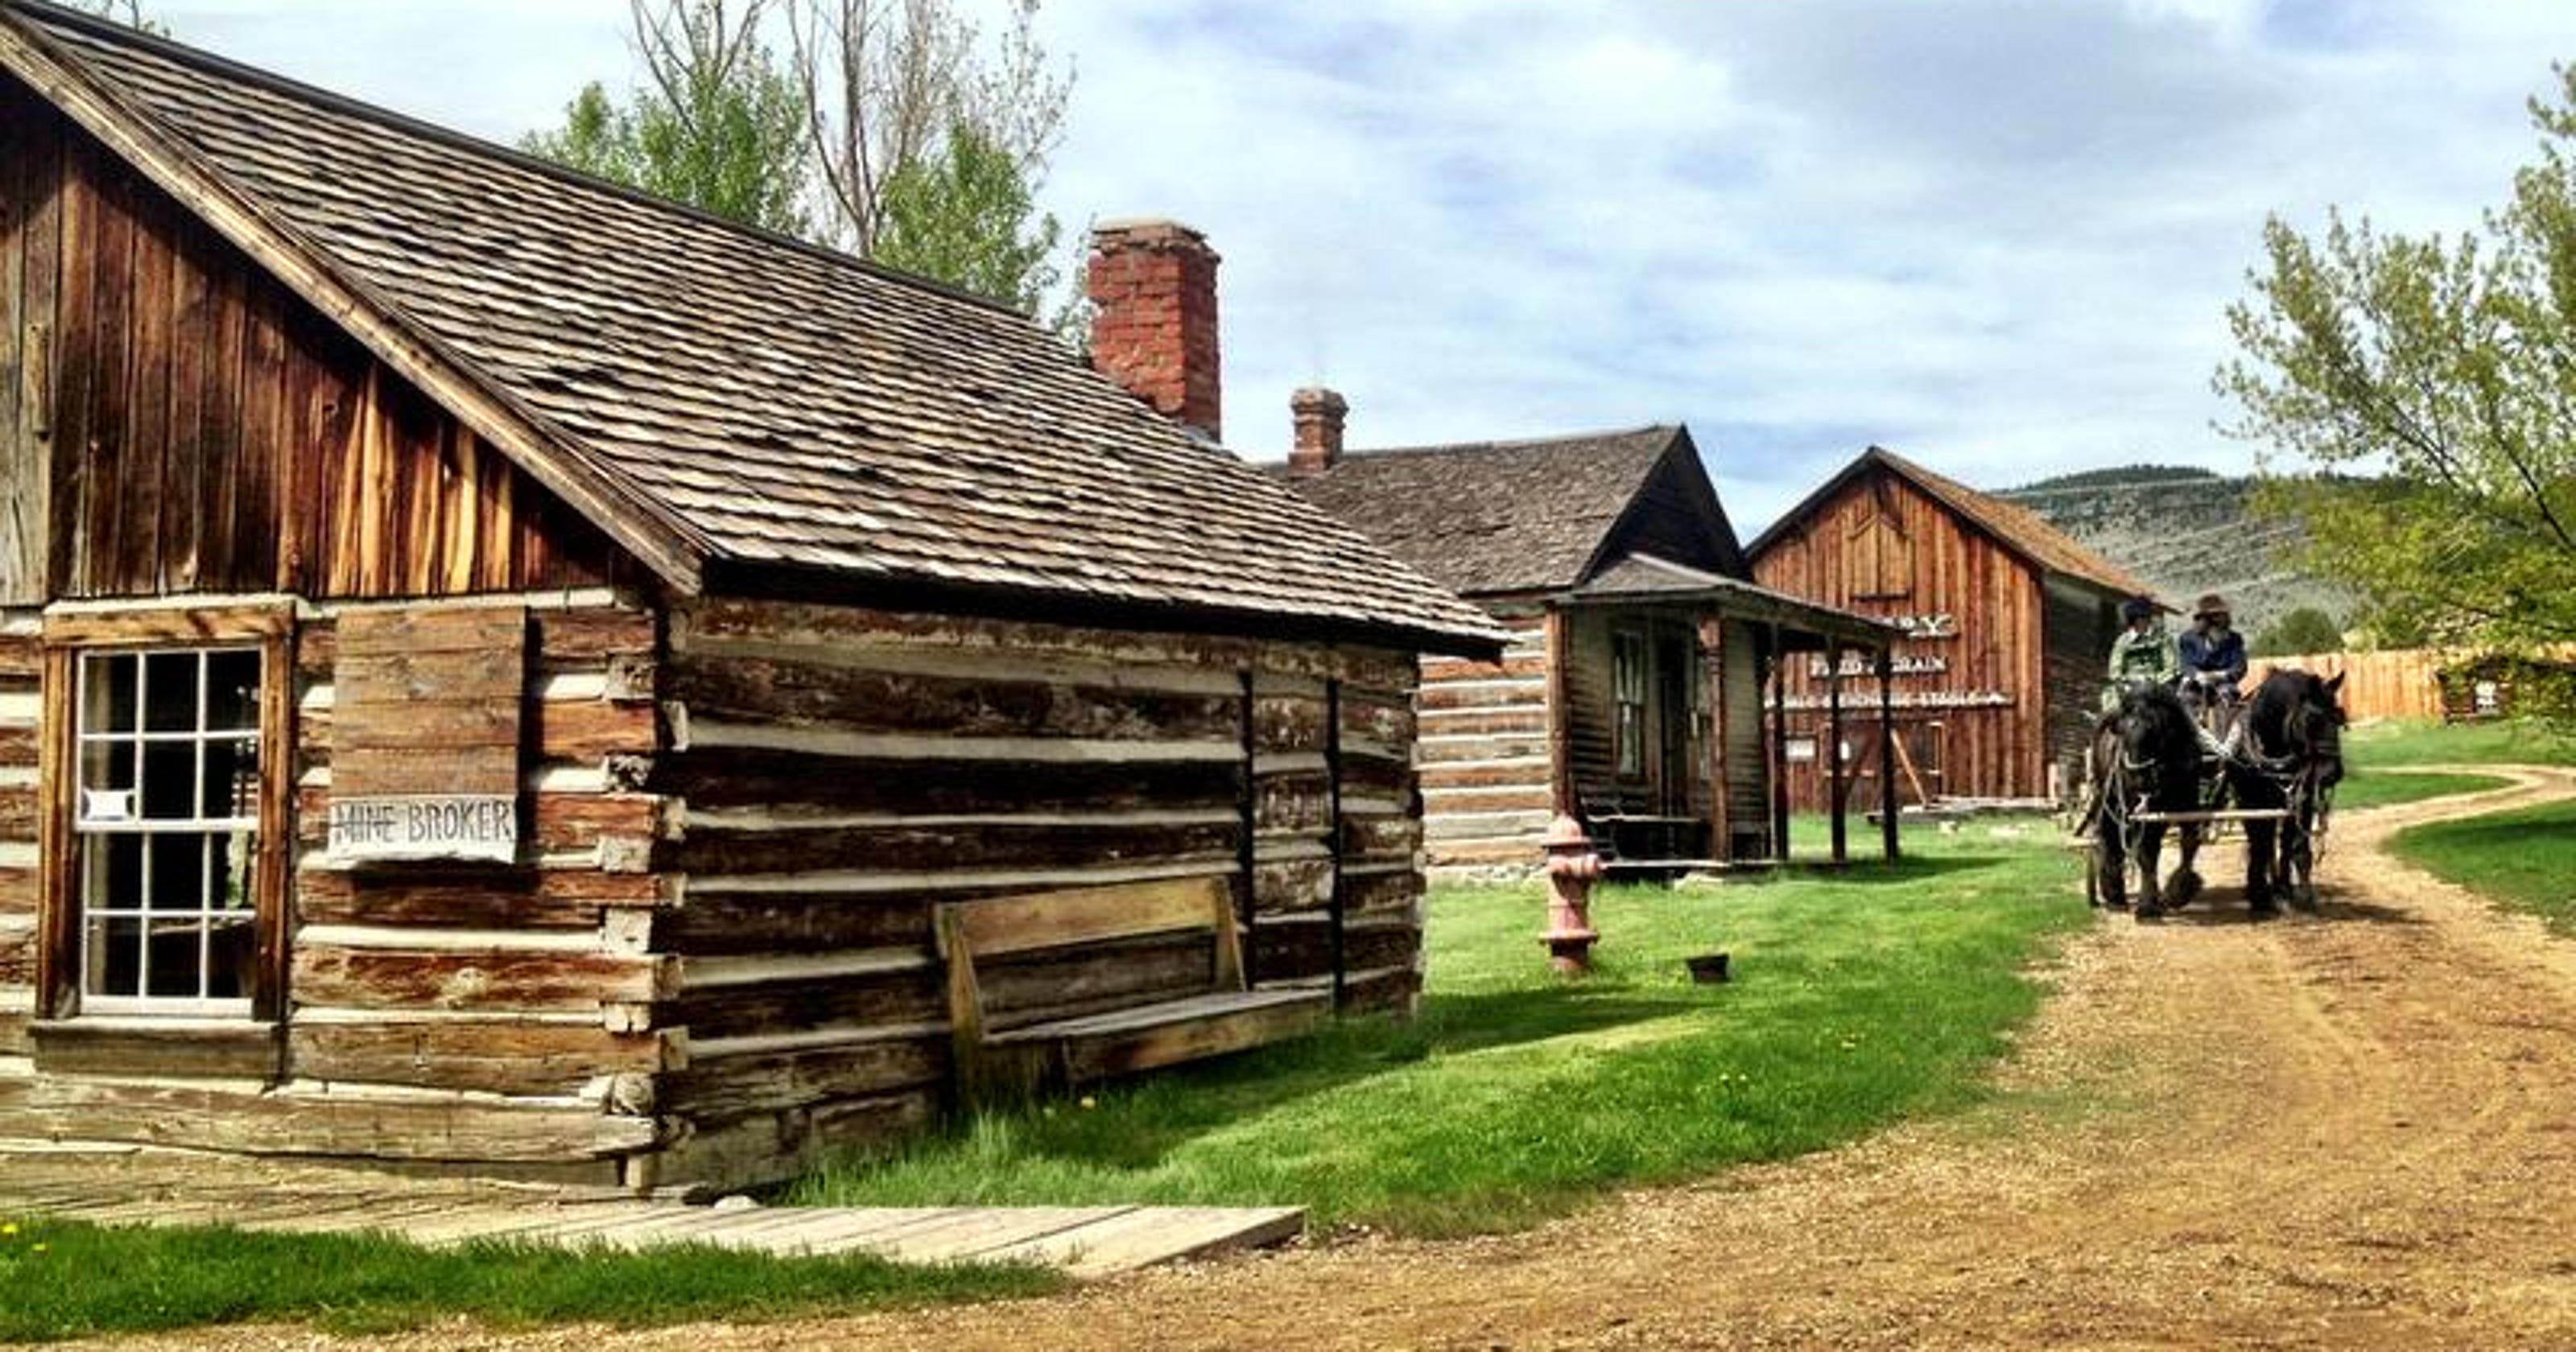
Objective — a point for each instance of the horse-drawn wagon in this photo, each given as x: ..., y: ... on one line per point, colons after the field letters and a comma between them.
x: 2153, y: 767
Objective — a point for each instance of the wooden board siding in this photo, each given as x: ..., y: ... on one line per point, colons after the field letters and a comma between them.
x: 21, y: 737
x: 1485, y: 758
x: 535, y: 980
x: 2080, y: 626
x: 1988, y: 702
x: 835, y: 772
x: 1670, y: 518
x: 1748, y: 781
x: 198, y: 429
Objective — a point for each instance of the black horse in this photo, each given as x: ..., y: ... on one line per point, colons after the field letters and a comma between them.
x: 2289, y: 756
x: 2146, y: 758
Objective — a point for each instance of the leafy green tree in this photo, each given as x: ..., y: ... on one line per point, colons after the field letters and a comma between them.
x: 886, y: 81
x: 2452, y: 365
x: 2302, y: 631
x: 964, y: 216
x: 596, y: 138
x: 718, y: 123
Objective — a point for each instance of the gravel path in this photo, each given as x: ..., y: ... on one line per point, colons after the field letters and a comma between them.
x: 2356, y: 1130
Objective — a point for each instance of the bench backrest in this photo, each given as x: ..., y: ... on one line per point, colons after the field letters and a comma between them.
x: 970, y: 932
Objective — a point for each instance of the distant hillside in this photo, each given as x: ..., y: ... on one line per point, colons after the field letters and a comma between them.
x: 2185, y: 531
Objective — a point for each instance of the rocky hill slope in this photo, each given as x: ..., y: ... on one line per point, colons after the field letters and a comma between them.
x: 2186, y: 531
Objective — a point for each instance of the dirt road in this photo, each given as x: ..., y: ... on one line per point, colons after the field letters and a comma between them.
x: 2356, y: 1130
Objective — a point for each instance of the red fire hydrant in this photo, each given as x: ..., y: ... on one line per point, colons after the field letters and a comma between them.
x: 1572, y: 868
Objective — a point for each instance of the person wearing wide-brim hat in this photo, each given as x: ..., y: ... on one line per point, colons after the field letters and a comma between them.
x: 2213, y: 653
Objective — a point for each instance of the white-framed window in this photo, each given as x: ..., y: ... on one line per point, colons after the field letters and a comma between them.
x: 165, y: 828
x: 1628, y: 679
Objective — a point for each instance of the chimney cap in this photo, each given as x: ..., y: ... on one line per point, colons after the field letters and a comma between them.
x: 1148, y: 232
x: 1319, y: 399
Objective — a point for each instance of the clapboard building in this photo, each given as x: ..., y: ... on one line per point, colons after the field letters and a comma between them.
x: 1633, y: 693
x: 2007, y: 626
x: 503, y: 673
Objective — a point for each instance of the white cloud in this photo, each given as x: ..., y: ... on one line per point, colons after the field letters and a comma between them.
x: 1998, y: 234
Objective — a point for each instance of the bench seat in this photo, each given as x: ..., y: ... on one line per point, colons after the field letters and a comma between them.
x: 997, y: 1055
x: 1097, y: 1046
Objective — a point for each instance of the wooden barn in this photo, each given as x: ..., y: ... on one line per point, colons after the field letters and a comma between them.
x: 501, y: 673
x: 2007, y: 627
x: 1632, y: 695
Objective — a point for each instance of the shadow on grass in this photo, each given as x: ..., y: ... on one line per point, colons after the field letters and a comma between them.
x: 1177, y: 1105
x: 1877, y: 872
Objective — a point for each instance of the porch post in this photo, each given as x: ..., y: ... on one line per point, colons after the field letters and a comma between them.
x: 1779, y: 748
x: 1837, y: 791
x: 1887, y: 748
x: 1712, y: 644
x: 1560, y: 713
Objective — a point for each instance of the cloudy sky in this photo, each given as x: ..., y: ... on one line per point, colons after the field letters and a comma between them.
x: 1998, y: 235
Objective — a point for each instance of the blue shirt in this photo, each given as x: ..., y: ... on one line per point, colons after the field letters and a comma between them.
x: 2224, y: 654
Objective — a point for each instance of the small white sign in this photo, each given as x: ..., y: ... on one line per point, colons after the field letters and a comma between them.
x: 444, y: 826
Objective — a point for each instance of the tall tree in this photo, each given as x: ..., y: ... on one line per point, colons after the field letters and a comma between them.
x: 2450, y: 363
x: 718, y: 122
x: 898, y: 130
x: 964, y: 215
x: 889, y: 83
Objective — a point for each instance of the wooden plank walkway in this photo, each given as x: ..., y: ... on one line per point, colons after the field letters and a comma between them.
x: 130, y: 1186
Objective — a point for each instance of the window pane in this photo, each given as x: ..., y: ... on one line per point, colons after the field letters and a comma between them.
x: 169, y: 778
x: 176, y: 956
x: 115, y: 945
x: 178, y: 872
x: 233, y: 855
x: 107, y: 782
x: 232, y: 692
x: 231, y: 785
x: 170, y: 692
x: 114, y: 879
x: 231, y: 950
x: 107, y: 692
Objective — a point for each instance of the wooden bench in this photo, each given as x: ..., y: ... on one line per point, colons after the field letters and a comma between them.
x: 1097, y: 1031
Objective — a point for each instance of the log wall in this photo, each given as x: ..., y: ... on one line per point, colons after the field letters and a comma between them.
x: 21, y: 705
x: 1977, y: 688
x: 834, y: 773
x: 502, y: 1016
x: 1486, y: 763
x: 172, y: 420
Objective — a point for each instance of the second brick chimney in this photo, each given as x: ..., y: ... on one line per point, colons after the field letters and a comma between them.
x: 1155, y: 285
x: 1318, y: 413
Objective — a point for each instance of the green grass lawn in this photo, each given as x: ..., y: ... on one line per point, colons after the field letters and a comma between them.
x: 2525, y: 859
x: 1858, y: 998
x: 2365, y: 788
x: 2514, y: 742
x: 62, y: 1279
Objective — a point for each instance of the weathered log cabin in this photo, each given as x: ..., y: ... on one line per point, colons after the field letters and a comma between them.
x: 502, y: 673
x: 2007, y: 628
x: 1632, y: 695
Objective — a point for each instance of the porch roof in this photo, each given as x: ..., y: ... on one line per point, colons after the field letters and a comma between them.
x: 1644, y: 580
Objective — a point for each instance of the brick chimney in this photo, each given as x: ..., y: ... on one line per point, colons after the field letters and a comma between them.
x: 1318, y: 413
x: 1155, y: 285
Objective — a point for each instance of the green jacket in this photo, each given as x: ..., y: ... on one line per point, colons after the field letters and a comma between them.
x: 2144, y: 657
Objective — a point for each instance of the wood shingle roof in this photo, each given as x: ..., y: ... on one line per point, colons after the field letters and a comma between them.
x: 1496, y: 516
x: 728, y: 403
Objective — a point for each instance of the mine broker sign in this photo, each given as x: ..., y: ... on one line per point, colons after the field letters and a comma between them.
x: 444, y: 826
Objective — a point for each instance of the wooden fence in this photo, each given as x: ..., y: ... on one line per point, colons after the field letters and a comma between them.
x: 2397, y: 683
x: 2392, y: 683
